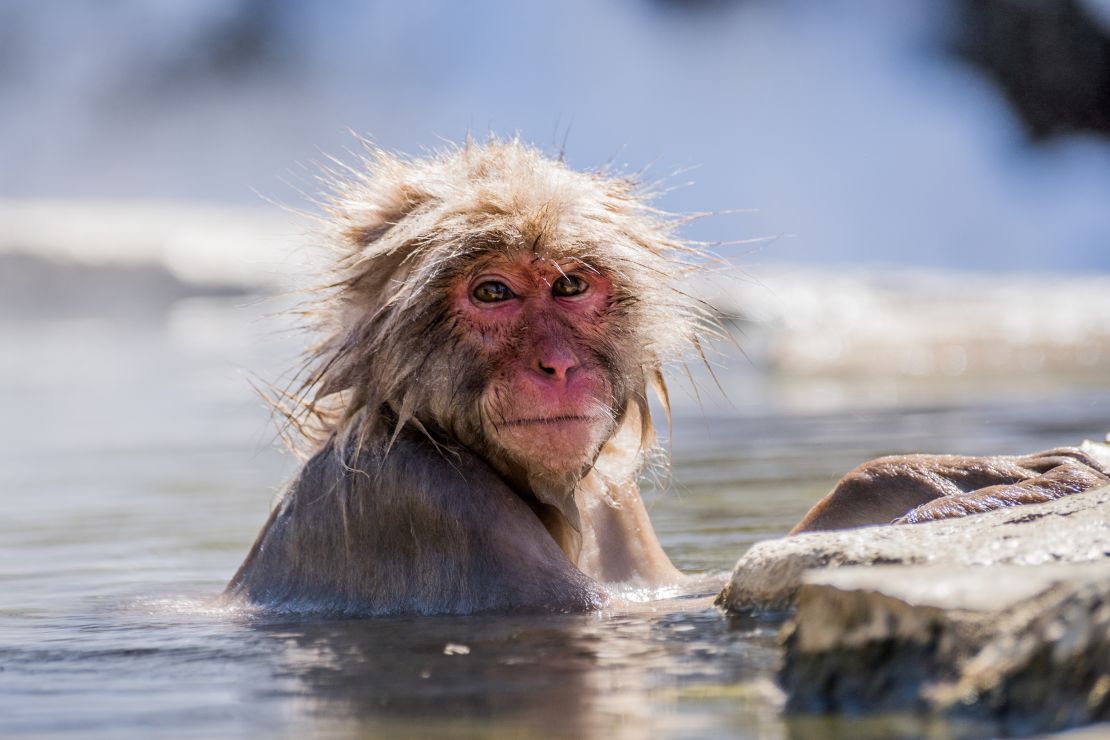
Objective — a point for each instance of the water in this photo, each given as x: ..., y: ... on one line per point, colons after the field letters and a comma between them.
x: 136, y: 467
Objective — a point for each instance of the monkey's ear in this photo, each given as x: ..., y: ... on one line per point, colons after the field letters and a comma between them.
x: 623, y: 454
x: 659, y: 385
x: 371, y: 197
x: 372, y: 225
x: 363, y: 235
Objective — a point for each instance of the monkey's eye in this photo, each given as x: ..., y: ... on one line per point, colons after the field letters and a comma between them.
x: 568, y: 285
x: 492, y: 291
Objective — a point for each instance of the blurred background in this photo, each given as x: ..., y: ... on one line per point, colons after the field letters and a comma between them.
x: 866, y: 144
x: 915, y: 194
x: 957, y: 134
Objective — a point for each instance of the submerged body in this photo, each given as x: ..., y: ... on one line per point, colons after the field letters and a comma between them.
x: 415, y: 531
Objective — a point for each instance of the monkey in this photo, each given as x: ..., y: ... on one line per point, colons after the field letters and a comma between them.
x: 911, y: 489
x: 476, y: 411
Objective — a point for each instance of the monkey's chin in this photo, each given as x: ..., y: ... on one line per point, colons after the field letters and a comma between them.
x: 558, y: 448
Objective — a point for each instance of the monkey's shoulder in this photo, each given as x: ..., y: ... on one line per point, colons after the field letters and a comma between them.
x: 383, y: 475
x: 403, y: 528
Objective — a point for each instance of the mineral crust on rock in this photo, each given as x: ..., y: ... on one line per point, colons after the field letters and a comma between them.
x: 1072, y: 529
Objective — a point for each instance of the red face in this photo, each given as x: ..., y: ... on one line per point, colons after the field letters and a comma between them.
x: 548, y: 402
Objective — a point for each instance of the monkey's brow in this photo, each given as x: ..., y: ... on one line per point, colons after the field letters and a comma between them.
x: 562, y: 264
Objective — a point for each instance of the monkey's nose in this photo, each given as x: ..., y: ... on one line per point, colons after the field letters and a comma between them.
x: 557, y: 364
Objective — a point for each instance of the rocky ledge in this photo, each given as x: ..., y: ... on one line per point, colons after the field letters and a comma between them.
x: 1002, y: 618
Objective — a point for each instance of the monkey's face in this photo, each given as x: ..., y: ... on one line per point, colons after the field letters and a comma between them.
x: 540, y: 326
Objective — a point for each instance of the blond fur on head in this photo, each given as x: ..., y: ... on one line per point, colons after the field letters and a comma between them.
x: 402, y: 228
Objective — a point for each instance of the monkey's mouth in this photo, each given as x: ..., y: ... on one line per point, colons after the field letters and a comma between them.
x: 547, y: 420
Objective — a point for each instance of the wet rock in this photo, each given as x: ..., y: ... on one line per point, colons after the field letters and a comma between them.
x: 1025, y: 648
x: 1071, y: 529
x: 998, y: 620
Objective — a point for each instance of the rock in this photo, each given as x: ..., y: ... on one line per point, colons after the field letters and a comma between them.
x: 1051, y: 60
x: 999, y: 620
x: 1024, y: 648
x: 1072, y: 529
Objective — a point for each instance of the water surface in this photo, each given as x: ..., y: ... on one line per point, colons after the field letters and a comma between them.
x: 136, y: 466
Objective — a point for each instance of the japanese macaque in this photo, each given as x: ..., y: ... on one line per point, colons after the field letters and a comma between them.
x: 909, y: 489
x: 476, y: 413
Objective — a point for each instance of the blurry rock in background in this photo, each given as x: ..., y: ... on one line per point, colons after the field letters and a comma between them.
x: 37, y: 288
x: 918, y: 324
x: 1051, y: 59
x: 134, y: 259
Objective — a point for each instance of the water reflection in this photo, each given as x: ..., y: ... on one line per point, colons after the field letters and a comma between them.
x: 631, y: 674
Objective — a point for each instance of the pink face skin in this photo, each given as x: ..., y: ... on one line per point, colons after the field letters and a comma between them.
x: 548, y: 402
